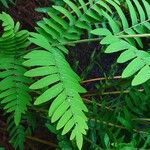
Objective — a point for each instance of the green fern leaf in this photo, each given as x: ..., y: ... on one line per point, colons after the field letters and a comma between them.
x: 69, y: 28
x: 142, y: 76
x: 16, y: 133
x: 14, y: 95
x: 62, y: 85
x: 115, y: 42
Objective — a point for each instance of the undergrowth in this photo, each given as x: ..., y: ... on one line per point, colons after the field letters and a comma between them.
x: 110, y: 112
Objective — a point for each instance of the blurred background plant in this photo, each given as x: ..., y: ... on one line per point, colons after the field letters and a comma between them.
x: 7, y: 2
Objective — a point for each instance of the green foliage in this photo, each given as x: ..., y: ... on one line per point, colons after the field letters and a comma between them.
x: 64, y: 142
x: 6, y: 2
x: 63, y: 85
x: 13, y: 85
x: 72, y: 26
x: 16, y: 133
x: 118, y: 121
x: 116, y: 41
x: 104, y: 129
x: 58, y: 2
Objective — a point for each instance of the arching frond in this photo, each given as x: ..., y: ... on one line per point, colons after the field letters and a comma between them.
x: 71, y: 26
x: 115, y: 42
x: 59, y: 83
x: 17, y: 134
x: 13, y: 85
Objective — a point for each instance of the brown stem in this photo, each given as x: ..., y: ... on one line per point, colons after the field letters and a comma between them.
x: 35, y: 139
x: 100, y: 105
x: 41, y: 141
x: 98, y: 39
x: 118, y: 126
x: 94, y: 93
x: 99, y: 79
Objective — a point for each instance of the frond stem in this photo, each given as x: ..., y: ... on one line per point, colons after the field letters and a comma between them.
x: 98, y: 39
x: 118, y: 126
x: 99, y: 79
x: 35, y: 139
x: 94, y: 93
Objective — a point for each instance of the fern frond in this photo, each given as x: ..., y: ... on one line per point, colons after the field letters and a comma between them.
x: 64, y: 142
x: 61, y: 84
x: 16, y: 134
x: 140, y: 24
x: 58, y: 29
x: 13, y: 85
x: 6, y: 2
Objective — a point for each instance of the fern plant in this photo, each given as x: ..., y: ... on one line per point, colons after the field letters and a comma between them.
x: 45, y: 71
x: 16, y: 133
x: 59, y: 82
x: 56, y: 32
x: 62, y: 83
x: 117, y: 38
x: 13, y: 85
x: 60, y: 31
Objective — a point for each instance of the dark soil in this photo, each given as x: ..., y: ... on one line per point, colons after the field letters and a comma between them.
x: 24, y: 12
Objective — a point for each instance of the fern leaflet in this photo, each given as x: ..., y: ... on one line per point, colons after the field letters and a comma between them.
x: 140, y: 18
x: 61, y: 84
x: 13, y: 85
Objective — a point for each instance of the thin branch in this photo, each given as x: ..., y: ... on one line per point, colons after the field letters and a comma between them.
x: 108, y: 93
x: 35, y: 139
x: 42, y: 141
x: 99, y: 79
x: 98, y: 39
x: 119, y: 92
x: 134, y: 26
x: 142, y: 119
x: 118, y: 126
x: 100, y: 105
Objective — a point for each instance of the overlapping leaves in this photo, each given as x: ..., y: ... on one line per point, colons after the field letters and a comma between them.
x: 16, y: 133
x: 61, y: 88
x: 115, y: 41
x: 13, y: 85
x: 78, y: 17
